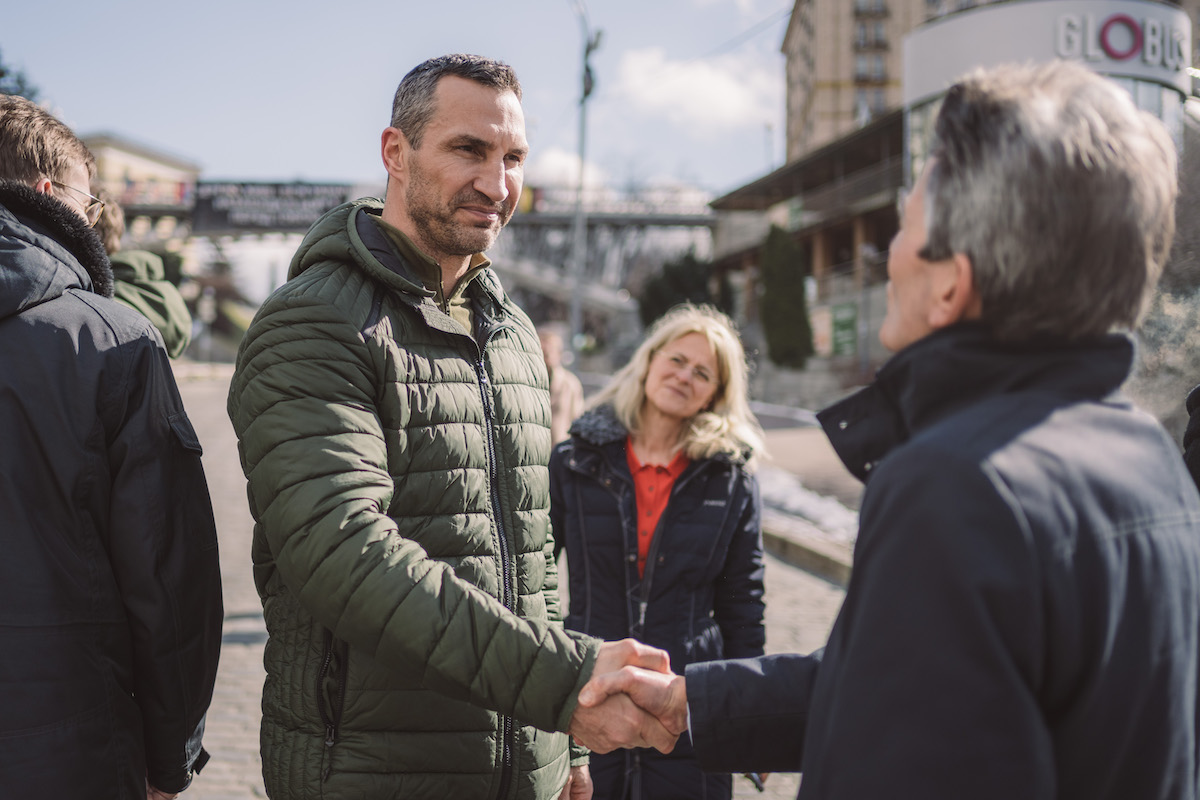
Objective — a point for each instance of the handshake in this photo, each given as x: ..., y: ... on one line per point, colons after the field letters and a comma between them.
x: 632, y: 700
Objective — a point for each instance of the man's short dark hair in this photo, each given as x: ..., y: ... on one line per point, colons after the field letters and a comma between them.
x: 414, y: 103
x: 35, y: 145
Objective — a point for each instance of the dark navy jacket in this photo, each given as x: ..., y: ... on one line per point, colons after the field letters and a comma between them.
x: 1191, y: 437
x: 110, y: 591
x: 1023, y: 619
x: 701, y: 597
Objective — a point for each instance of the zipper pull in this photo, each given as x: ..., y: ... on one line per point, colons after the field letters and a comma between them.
x: 642, y: 614
x: 330, y: 739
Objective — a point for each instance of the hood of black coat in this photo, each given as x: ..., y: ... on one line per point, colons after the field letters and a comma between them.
x: 45, y: 249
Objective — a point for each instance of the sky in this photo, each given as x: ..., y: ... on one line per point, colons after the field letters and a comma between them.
x: 686, y: 91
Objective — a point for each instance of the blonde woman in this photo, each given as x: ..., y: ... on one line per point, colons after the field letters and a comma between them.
x: 653, y: 498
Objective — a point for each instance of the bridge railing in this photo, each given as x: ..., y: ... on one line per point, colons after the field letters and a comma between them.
x: 551, y: 199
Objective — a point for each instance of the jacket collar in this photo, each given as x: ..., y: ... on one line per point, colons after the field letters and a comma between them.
x: 601, y: 428
x: 484, y: 288
x: 53, y: 227
x: 957, y: 367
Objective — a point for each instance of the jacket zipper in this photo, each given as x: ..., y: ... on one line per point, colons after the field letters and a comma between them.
x: 648, y: 578
x: 331, y: 718
x: 506, y: 723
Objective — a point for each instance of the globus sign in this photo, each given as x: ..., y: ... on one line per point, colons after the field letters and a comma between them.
x: 1142, y: 40
x: 1122, y: 37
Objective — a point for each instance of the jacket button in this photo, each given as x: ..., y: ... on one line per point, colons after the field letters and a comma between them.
x: 632, y: 557
x: 867, y: 467
x: 843, y: 425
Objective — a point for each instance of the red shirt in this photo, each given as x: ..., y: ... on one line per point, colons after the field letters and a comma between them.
x: 651, y: 490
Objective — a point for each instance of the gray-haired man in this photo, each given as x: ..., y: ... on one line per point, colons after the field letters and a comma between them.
x: 1024, y: 614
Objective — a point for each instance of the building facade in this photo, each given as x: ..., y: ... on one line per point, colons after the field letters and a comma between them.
x: 155, y: 189
x: 865, y: 79
x: 844, y: 65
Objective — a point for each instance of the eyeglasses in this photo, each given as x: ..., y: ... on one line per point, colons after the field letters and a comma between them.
x: 91, y: 210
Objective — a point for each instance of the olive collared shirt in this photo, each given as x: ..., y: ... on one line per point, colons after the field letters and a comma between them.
x: 457, y: 306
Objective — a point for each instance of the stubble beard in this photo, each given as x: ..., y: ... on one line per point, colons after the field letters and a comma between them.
x: 436, y: 225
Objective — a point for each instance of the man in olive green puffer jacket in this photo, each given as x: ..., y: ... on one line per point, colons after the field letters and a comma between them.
x: 392, y: 410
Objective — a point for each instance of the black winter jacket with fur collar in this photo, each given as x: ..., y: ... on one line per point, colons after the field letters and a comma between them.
x: 110, y: 594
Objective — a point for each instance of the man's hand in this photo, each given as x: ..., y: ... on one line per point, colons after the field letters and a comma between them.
x: 630, y: 652
x: 616, y: 722
x: 606, y: 724
x: 663, y: 695
x: 579, y: 784
x: 156, y: 794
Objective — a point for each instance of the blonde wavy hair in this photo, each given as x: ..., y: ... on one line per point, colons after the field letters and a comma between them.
x: 727, y: 425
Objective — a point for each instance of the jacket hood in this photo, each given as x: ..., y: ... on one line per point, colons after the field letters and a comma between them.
x: 349, y: 232
x: 600, y: 427
x: 47, y: 249
x: 137, y: 266
x: 957, y: 367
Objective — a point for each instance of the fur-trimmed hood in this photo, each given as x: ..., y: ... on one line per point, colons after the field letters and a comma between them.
x: 600, y: 427
x: 45, y: 249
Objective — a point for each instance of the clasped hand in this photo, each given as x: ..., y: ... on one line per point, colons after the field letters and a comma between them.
x: 632, y: 700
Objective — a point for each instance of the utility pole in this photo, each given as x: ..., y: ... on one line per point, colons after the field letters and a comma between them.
x: 591, y: 41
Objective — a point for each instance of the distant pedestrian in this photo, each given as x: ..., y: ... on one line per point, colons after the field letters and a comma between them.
x: 140, y: 280
x: 655, y: 501
x: 110, y: 588
x: 1191, y: 437
x: 566, y: 392
x: 1023, y: 620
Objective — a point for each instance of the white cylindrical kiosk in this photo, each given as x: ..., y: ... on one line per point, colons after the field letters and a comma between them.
x: 1143, y: 45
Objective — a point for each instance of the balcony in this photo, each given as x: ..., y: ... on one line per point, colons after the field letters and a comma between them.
x: 870, y: 77
x: 844, y: 193
x: 868, y: 44
x: 870, y: 9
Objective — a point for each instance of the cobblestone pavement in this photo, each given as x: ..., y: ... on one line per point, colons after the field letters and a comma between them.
x: 800, y: 612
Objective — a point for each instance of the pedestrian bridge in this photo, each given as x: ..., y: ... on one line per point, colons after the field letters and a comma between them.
x: 630, y: 234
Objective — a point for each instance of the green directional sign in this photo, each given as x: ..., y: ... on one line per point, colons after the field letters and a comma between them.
x: 845, y: 329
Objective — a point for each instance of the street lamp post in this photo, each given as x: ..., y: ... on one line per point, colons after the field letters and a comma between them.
x: 591, y: 41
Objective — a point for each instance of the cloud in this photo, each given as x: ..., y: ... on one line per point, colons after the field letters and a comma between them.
x: 716, y: 94
x: 745, y: 7
x: 558, y: 167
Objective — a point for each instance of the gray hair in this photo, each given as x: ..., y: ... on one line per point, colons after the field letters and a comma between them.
x: 728, y: 425
x: 1060, y: 191
x: 414, y: 103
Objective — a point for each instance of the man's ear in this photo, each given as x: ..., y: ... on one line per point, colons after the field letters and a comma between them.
x: 954, y: 296
x: 394, y: 148
x: 43, y: 186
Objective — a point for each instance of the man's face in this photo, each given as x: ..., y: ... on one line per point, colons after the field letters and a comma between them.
x: 910, y: 288
x: 552, y: 349
x: 464, y: 181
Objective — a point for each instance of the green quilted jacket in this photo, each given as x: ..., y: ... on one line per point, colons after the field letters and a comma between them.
x: 397, y: 478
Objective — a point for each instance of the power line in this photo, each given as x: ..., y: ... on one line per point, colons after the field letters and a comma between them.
x: 749, y: 33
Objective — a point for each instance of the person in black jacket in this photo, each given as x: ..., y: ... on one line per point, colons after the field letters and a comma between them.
x: 110, y: 590
x: 655, y: 502
x: 1023, y: 619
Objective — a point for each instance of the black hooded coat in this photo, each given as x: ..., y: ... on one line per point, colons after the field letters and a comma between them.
x: 110, y: 591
